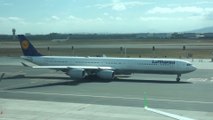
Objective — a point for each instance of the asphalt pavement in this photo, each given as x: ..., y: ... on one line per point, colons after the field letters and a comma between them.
x: 192, y: 94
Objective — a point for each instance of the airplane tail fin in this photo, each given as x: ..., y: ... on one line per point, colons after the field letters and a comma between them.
x: 27, y: 48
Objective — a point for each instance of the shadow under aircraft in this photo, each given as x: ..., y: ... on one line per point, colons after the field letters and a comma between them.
x: 70, y: 82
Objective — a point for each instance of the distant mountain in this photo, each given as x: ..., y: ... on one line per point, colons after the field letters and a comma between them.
x: 203, y: 30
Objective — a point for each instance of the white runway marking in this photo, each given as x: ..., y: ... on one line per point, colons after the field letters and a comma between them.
x: 211, y: 80
x: 175, y: 116
x: 197, y: 79
x: 111, y: 97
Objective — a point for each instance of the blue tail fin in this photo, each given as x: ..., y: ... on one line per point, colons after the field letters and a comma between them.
x: 27, y: 48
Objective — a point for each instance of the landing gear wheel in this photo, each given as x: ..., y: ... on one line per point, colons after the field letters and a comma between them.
x: 178, y: 78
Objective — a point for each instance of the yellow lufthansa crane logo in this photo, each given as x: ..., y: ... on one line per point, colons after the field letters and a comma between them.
x: 25, y: 44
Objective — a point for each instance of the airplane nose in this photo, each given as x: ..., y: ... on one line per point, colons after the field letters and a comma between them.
x: 193, y: 68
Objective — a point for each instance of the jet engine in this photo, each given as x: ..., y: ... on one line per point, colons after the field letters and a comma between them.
x: 106, y: 74
x: 76, y: 73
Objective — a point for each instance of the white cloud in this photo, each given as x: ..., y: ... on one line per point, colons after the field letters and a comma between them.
x: 180, y: 9
x: 154, y: 18
x: 72, y: 24
x: 204, y: 2
x: 209, y: 16
x: 7, y: 4
x: 55, y: 18
x: 106, y: 14
x: 70, y: 20
x: 187, y: 12
x: 73, y: 17
x: 115, y: 18
x: 7, y: 23
x: 174, y: 19
x: 118, y: 5
x: 4, y: 3
x: 12, y: 19
x: 99, y: 19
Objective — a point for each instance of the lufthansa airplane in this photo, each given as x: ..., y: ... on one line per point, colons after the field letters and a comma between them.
x: 103, y: 67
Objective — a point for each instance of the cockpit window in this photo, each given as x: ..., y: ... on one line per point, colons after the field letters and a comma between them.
x: 188, y: 64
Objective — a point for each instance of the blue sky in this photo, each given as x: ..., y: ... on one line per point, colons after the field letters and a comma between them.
x: 104, y: 16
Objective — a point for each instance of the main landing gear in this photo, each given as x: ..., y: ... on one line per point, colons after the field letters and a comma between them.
x: 178, y: 77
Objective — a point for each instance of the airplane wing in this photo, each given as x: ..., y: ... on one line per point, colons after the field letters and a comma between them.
x: 70, y: 67
x: 74, y: 67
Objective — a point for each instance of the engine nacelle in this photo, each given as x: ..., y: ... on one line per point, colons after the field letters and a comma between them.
x: 76, y: 73
x: 106, y: 74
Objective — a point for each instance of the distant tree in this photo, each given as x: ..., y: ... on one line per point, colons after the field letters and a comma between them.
x: 153, y: 48
x: 48, y: 49
x: 121, y: 50
x: 72, y: 50
x: 190, y: 55
x: 176, y: 35
x: 184, y: 47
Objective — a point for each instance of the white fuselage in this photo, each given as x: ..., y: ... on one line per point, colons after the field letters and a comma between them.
x: 119, y: 65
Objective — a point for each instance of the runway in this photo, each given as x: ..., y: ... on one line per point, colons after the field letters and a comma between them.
x: 193, y: 93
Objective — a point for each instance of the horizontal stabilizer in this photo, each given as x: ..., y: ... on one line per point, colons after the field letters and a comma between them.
x: 25, y: 65
x: 2, y: 76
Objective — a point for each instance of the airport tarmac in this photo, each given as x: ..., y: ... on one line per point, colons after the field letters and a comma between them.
x: 192, y: 97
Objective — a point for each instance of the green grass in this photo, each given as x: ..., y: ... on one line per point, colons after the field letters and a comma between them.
x: 113, y: 41
x: 131, y: 52
x: 7, y: 50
